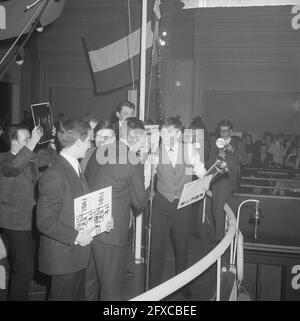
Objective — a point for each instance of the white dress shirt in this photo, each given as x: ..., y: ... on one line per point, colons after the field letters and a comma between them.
x: 193, y: 158
x: 73, y: 161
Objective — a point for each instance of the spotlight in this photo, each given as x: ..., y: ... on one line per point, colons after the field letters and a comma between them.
x: 39, y: 27
x: 19, y: 60
x: 164, y: 33
x: 162, y: 42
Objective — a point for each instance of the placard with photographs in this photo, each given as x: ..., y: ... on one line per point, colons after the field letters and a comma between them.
x: 42, y: 116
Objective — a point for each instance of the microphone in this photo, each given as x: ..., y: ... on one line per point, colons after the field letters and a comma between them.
x: 220, y: 142
x: 220, y: 166
x: 256, y: 217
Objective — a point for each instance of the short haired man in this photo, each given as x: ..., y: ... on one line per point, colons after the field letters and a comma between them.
x: 64, y: 252
x: 60, y: 119
x: 177, y: 163
x: 18, y: 176
x: 235, y: 154
x: 123, y: 110
x: 126, y: 176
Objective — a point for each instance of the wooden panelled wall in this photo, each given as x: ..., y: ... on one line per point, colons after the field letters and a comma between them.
x: 237, y: 63
x: 63, y: 69
x: 247, y: 68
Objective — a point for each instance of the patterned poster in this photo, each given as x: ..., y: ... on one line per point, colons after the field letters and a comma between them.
x: 93, y: 210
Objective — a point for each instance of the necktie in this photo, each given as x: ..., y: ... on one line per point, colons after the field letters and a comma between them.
x: 171, y: 156
x: 83, y: 181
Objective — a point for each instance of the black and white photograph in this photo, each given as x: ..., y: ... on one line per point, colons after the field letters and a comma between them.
x: 149, y: 152
x: 42, y: 116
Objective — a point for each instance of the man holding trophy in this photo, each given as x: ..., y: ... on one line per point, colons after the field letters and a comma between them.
x: 233, y: 150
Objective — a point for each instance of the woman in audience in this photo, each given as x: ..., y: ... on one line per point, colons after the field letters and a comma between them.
x: 250, y: 147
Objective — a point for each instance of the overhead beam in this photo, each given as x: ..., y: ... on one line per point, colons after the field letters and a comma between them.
x: 191, y: 4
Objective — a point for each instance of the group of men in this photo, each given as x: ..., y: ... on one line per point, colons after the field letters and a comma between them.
x: 83, y: 267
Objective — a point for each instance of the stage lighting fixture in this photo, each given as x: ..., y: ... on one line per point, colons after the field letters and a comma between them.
x: 39, y: 27
x: 19, y: 60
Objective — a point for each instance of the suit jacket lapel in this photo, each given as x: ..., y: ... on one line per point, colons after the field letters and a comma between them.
x: 71, y: 173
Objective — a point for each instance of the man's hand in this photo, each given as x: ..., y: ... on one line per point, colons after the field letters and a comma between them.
x: 36, y: 135
x: 229, y: 148
x: 53, y: 131
x: 109, y: 225
x: 84, y: 238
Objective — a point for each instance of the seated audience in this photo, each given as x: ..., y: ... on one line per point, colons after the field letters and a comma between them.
x: 250, y: 147
x: 262, y: 158
x: 278, y: 150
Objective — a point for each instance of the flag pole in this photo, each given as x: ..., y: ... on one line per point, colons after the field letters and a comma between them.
x: 139, y: 218
x: 143, y: 61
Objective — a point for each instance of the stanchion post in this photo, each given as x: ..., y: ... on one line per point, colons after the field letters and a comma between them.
x: 204, y: 208
x: 218, y: 279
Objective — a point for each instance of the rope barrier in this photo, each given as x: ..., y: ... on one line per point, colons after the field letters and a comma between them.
x: 172, y: 285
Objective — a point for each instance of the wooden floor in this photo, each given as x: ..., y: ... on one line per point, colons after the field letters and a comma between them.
x: 202, y: 288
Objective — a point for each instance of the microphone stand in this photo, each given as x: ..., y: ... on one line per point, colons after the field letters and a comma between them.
x: 149, y: 227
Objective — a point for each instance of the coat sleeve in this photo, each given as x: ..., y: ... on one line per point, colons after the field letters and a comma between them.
x: 212, y: 154
x: 241, y: 153
x: 138, y: 194
x: 12, y: 167
x: 50, y: 207
x: 45, y: 157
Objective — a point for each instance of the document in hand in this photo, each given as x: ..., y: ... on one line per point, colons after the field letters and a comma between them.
x: 93, y: 210
x: 194, y: 191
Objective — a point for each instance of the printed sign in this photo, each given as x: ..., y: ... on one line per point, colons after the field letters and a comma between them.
x: 93, y: 210
x: 194, y: 191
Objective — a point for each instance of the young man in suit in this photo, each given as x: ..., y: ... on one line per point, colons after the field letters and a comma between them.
x: 177, y: 163
x: 262, y: 158
x: 123, y: 110
x: 64, y: 252
x: 116, y: 165
x: 18, y: 177
x: 235, y: 154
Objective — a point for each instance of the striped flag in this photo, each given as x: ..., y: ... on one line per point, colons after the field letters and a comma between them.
x: 114, y: 52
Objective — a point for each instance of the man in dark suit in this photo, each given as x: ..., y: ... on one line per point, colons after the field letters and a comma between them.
x: 262, y: 158
x: 64, y: 252
x: 123, y: 110
x: 223, y: 187
x: 116, y: 165
x: 18, y: 175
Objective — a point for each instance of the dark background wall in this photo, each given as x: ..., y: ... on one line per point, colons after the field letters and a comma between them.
x: 237, y: 63
x: 245, y: 67
x: 61, y: 69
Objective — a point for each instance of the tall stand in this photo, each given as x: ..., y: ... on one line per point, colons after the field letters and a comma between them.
x: 149, y: 227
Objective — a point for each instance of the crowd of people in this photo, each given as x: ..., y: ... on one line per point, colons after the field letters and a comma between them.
x: 274, y: 151
x: 37, y: 192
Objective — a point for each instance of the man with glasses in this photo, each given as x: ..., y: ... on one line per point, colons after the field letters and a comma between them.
x: 116, y: 165
x: 235, y: 154
x: 103, y: 135
x: 123, y: 110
